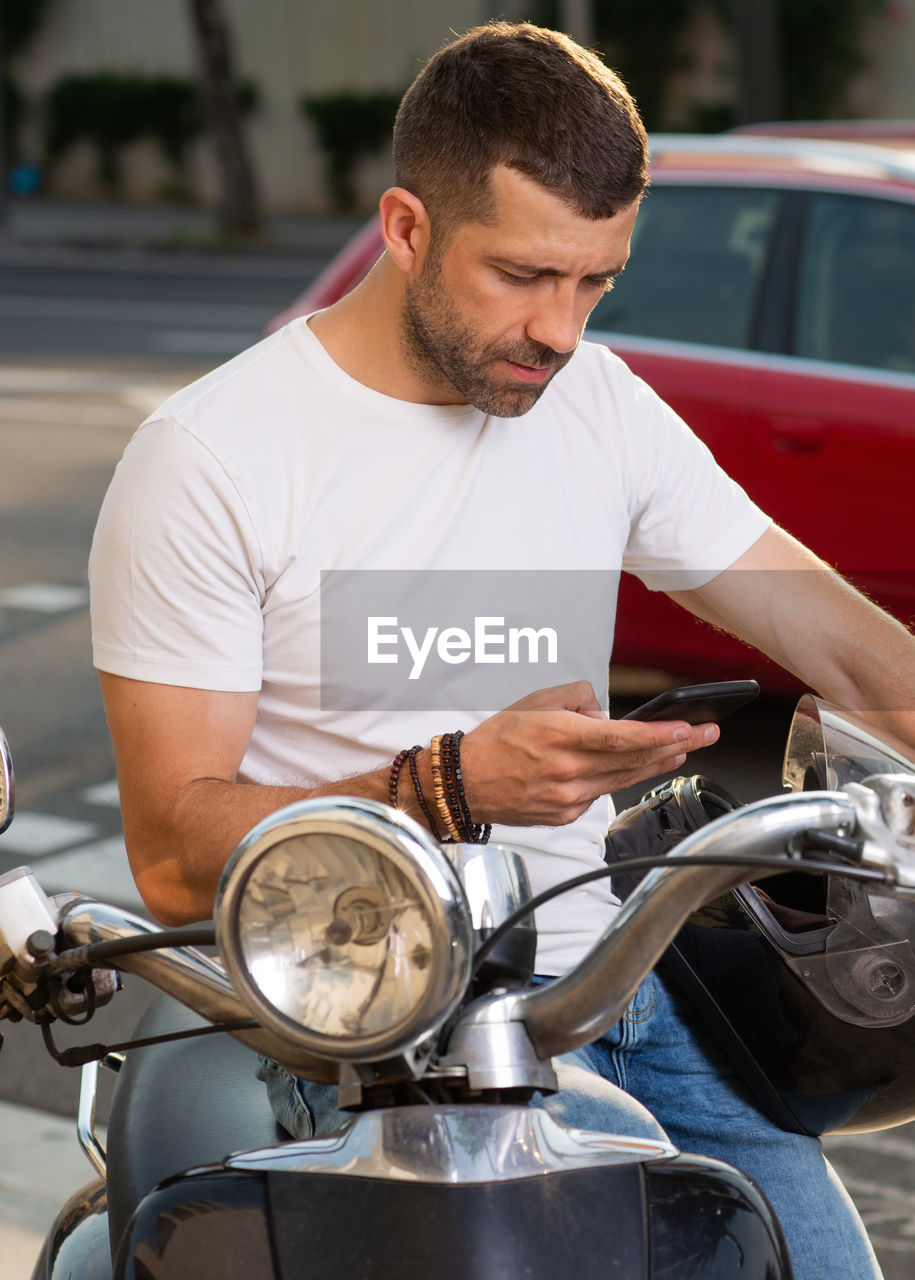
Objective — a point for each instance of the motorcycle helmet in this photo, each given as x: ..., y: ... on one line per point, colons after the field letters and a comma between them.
x: 807, y: 981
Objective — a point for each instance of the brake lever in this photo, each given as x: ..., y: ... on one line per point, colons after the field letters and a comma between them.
x: 885, y: 810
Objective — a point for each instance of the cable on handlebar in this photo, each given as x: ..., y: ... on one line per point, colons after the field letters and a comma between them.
x: 79, y: 1055
x: 778, y: 862
x: 102, y: 953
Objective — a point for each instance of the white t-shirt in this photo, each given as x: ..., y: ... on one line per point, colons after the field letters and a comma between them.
x: 249, y: 492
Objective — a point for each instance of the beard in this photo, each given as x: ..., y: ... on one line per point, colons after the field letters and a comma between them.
x: 444, y: 350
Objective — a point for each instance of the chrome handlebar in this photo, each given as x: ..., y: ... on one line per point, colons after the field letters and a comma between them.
x: 189, y: 975
x: 579, y: 1007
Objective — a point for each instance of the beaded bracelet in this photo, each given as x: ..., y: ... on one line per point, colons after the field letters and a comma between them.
x: 448, y: 781
x: 478, y: 833
x: 394, y: 776
x: 448, y: 789
x: 417, y: 787
x: 438, y: 789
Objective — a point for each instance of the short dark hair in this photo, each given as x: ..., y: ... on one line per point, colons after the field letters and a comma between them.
x: 531, y: 99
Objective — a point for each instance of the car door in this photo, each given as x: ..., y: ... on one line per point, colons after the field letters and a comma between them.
x: 837, y: 447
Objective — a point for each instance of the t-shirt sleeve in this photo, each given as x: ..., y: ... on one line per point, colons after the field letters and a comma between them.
x: 176, y: 583
x: 689, y: 520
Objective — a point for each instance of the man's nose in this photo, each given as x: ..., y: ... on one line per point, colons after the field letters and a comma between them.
x: 556, y: 325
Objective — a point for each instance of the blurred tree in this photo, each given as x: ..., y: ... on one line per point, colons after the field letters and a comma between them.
x: 638, y: 42
x: 576, y: 18
x: 239, y: 205
x: 642, y: 48
x: 795, y: 57
x: 19, y: 22
x: 757, y: 34
x: 821, y: 50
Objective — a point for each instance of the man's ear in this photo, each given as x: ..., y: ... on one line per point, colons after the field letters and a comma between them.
x: 405, y: 228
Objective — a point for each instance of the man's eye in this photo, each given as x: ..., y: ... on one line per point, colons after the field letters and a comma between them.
x: 603, y: 283
x: 516, y: 280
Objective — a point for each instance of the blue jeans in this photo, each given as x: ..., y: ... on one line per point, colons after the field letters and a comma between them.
x: 660, y: 1055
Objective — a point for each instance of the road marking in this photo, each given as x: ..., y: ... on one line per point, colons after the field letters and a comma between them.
x: 37, y: 835
x: 44, y: 597
x: 105, y: 793
x: 100, y: 870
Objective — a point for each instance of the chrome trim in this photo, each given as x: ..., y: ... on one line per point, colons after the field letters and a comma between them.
x: 494, y: 1052
x: 86, y: 1132
x: 452, y: 1145
x: 495, y: 881
x: 7, y: 784
x: 85, y: 1119
x: 191, y: 977
x: 412, y: 850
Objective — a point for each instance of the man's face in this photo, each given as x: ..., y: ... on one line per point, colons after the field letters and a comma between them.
x: 494, y: 316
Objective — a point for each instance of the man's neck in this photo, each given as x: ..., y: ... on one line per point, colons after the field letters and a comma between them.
x: 362, y: 334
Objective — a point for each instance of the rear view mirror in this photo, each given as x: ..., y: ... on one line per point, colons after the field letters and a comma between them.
x: 7, y: 785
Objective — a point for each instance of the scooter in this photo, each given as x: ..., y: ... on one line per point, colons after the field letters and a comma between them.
x: 355, y: 951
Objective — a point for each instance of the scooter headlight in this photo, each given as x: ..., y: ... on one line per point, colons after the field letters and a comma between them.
x: 345, y: 928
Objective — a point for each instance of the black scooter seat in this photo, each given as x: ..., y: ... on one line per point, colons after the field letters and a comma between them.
x: 180, y: 1105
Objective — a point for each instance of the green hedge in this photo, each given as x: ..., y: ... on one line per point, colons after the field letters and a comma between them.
x: 349, y: 125
x: 111, y: 111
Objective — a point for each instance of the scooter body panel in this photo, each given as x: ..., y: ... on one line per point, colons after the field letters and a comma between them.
x: 684, y: 1219
x: 76, y: 1247
x: 210, y: 1225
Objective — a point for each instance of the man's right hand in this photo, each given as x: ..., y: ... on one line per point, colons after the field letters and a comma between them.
x: 545, y: 759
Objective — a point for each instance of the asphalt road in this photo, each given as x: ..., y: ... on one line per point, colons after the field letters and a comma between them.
x: 156, y: 308
x: 83, y: 357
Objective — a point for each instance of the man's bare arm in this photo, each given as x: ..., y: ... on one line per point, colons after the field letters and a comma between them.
x: 542, y: 761
x: 786, y: 602
x: 178, y: 752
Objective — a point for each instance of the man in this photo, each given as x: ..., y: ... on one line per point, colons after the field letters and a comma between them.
x: 443, y: 419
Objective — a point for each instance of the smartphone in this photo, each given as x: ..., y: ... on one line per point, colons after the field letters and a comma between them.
x: 697, y: 703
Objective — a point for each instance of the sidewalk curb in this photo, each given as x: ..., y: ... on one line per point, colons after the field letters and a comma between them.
x: 42, y: 1164
x: 42, y: 231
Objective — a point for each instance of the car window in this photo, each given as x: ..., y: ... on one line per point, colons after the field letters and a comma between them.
x: 697, y: 257
x: 856, y: 283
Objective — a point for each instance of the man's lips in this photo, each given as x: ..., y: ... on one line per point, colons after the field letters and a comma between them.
x: 530, y: 373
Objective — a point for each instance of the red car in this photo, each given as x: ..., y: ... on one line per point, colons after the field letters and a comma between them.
x: 770, y: 299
